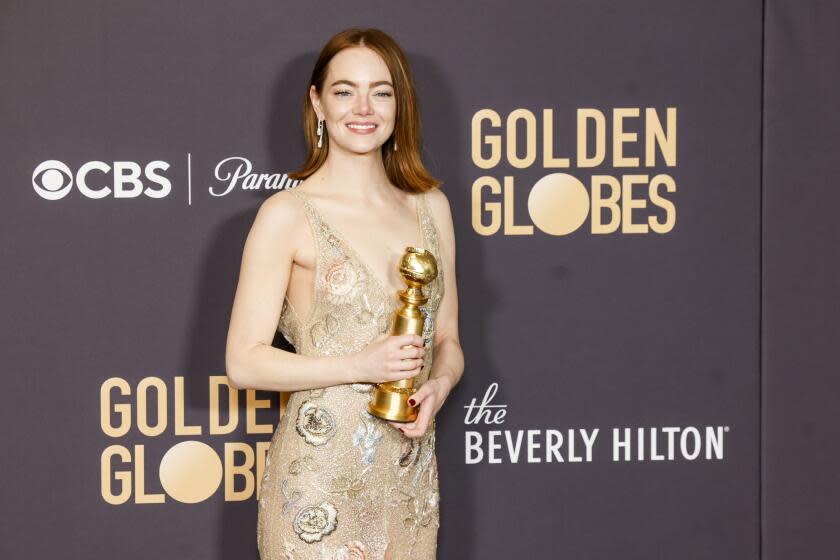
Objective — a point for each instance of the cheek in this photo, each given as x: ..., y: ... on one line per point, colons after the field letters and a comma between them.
x: 389, y: 116
x: 337, y: 112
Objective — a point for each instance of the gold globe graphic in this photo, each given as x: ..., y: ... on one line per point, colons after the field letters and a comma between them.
x: 190, y: 472
x: 558, y: 204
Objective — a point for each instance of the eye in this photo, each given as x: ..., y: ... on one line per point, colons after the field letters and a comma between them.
x: 385, y: 93
x: 341, y: 91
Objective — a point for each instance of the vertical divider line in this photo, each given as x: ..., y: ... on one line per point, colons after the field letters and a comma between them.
x: 189, y: 179
x: 761, y: 293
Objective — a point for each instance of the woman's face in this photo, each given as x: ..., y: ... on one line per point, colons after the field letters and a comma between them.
x: 357, y: 103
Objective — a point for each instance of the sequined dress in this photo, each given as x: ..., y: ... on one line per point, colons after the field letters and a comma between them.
x: 339, y: 483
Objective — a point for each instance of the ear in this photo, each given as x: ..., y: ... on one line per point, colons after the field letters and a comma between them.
x: 316, y: 101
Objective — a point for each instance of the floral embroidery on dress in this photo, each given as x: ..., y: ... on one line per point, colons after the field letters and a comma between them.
x: 321, y: 330
x: 420, y: 510
x: 305, y: 462
x: 289, y: 498
x: 422, y: 502
x: 288, y: 550
x: 343, y: 281
x: 314, y: 522
x: 383, y: 322
x: 264, y: 482
x: 315, y: 424
x: 368, y: 312
x: 428, y: 325
x: 349, y: 486
x: 266, y: 467
x: 352, y: 550
x: 380, y: 313
x: 426, y: 457
x: 409, y: 451
x: 367, y: 437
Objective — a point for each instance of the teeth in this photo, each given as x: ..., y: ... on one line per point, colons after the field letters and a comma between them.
x: 362, y: 127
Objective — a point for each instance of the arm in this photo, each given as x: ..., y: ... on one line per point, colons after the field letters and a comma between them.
x: 448, y: 364
x: 267, y: 257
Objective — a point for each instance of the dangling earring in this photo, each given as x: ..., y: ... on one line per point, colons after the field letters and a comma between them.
x: 395, y: 145
x: 320, y: 132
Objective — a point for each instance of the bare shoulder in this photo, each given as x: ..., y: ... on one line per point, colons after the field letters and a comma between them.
x: 439, y: 206
x: 279, y: 213
x: 276, y: 229
x: 437, y: 197
x: 282, y: 205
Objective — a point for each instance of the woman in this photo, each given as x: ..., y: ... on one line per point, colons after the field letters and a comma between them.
x: 320, y: 263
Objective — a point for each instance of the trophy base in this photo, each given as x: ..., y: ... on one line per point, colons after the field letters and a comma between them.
x: 391, y: 405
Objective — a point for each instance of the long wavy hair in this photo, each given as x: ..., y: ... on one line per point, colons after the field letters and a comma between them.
x: 404, y: 166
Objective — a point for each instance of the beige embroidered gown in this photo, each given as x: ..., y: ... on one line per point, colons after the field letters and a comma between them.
x: 339, y: 483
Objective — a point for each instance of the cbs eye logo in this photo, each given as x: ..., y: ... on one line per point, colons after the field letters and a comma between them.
x: 53, y: 180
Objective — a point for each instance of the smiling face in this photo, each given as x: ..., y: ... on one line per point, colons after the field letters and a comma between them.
x: 358, y: 103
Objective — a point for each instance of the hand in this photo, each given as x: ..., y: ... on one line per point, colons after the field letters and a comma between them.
x: 429, y: 397
x: 385, y: 359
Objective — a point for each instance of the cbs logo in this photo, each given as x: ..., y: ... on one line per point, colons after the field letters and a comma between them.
x: 53, y: 180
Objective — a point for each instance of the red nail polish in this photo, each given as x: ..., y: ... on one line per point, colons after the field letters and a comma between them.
x: 411, y: 402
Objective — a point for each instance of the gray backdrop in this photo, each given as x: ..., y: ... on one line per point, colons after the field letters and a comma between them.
x: 117, y: 293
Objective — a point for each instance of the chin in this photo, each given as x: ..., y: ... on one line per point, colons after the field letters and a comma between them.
x: 363, y: 148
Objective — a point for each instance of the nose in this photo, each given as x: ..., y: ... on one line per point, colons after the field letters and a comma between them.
x: 362, y: 106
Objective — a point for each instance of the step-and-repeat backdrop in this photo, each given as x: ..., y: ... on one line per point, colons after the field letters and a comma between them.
x: 603, y: 164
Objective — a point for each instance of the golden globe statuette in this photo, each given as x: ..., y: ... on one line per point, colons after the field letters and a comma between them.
x: 418, y: 267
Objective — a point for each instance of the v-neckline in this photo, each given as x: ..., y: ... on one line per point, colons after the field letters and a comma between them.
x: 351, y: 251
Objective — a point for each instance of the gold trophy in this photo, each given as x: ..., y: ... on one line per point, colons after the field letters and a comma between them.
x: 418, y: 267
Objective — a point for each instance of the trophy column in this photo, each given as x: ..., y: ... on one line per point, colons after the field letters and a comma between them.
x: 418, y: 267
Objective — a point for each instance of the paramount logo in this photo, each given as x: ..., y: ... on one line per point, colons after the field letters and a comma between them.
x: 237, y: 172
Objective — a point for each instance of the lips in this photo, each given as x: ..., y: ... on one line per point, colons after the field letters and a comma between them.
x: 361, y: 127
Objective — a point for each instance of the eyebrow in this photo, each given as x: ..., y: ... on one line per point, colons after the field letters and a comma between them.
x: 354, y: 84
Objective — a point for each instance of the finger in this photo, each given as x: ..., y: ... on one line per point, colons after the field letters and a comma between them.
x: 407, y: 374
x: 423, y: 418
x: 425, y: 413
x: 419, y: 395
x: 416, y: 428
x: 402, y: 366
x: 411, y: 352
x: 403, y: 427
x: 409, y: 339
x: 421, y: 423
